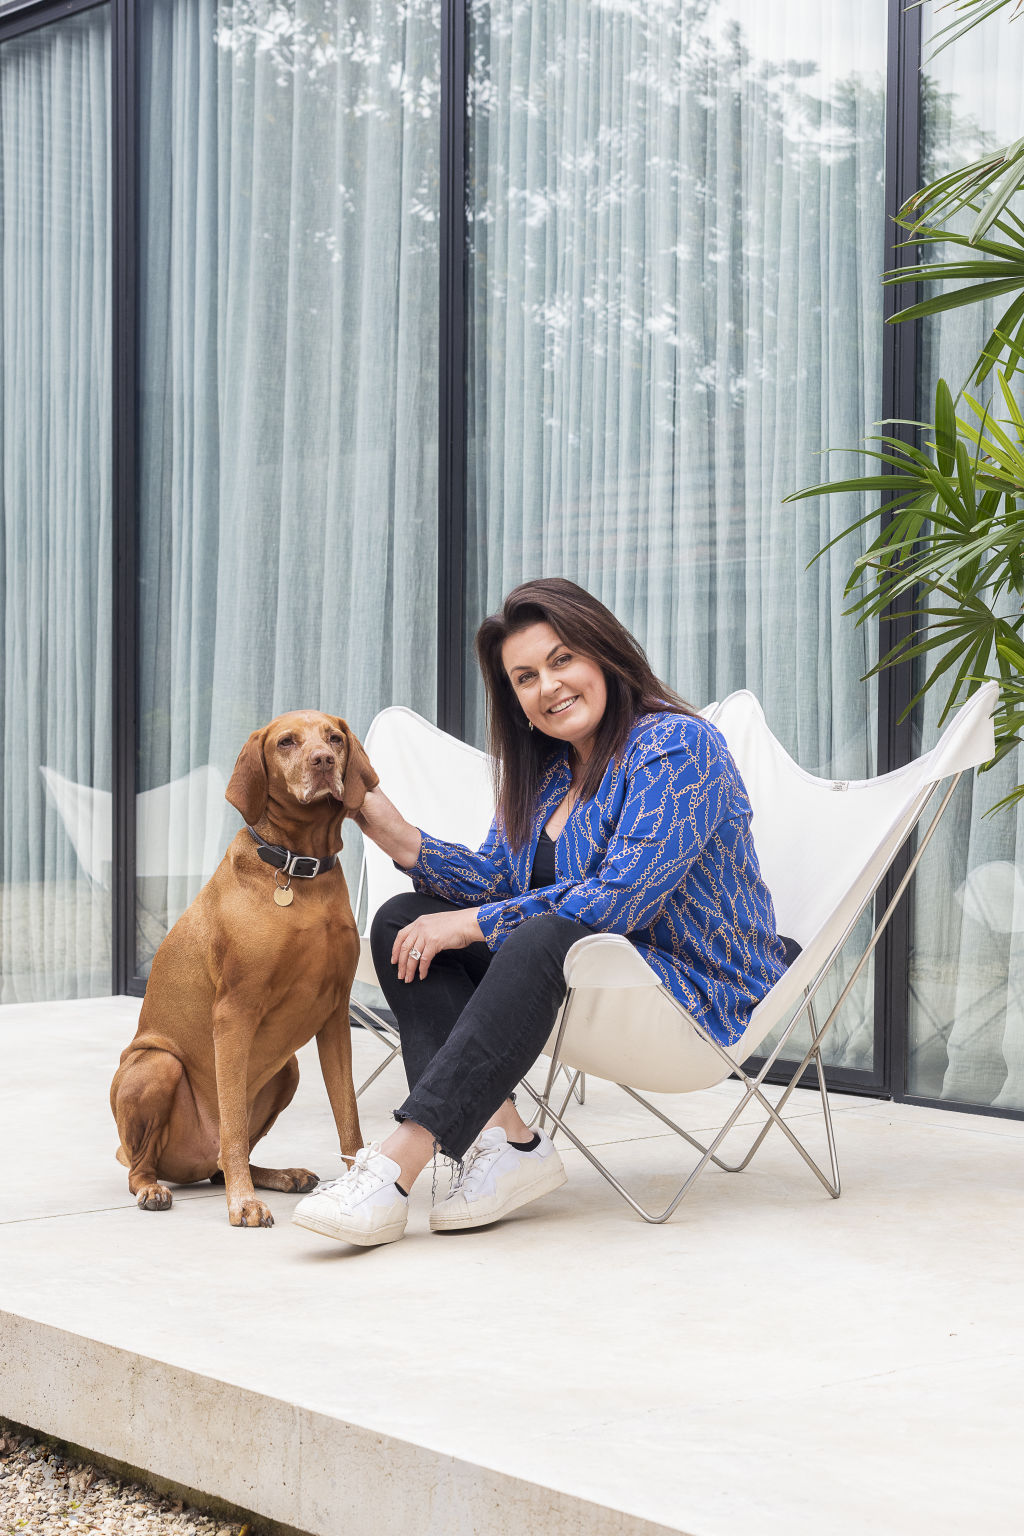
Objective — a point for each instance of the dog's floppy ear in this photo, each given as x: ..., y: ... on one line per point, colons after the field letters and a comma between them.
x: 359, y: 776
x: 247, y: 789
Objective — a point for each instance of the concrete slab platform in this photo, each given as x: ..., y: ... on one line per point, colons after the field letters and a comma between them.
x: 770, y: 1361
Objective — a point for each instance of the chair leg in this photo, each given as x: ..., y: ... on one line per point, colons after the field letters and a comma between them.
x: 660, y: 1115
x: 774, y: 1111
x: 543, y: 1100
x: 382, y: 1031
x: 709, y: 1153
x: 826, y: 1109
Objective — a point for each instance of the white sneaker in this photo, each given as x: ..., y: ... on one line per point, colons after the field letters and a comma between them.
x: 497, y: 1178
x: 364, y: 1206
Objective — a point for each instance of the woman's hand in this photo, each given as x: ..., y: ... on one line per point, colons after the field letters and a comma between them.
x: 416, y: 945
x: 384, y: 825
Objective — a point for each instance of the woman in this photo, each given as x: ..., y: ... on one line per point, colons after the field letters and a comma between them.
x: 619, y: 810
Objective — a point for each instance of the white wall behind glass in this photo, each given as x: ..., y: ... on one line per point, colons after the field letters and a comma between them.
x: 677, y: 235
x: 55, y: 510
x: 289, y: 279
x: 967, y: 959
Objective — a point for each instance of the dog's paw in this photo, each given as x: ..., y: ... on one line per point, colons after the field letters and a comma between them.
x: 153, y: 1197
x: 300, y: 1180
x: 250, y: 1213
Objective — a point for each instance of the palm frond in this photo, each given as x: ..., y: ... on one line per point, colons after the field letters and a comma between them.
x: 949, y: 549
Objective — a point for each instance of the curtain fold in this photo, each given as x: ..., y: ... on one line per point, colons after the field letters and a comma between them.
x: 289, y: 456
x: 676, y: 240
x: 55, y: 511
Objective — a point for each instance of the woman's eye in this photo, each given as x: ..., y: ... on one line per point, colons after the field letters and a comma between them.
x: 561, y: 660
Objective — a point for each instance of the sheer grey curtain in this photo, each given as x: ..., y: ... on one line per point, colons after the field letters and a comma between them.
x: 55, y: 555
x: 677, y: 236
x: 967, y: 961
x: 288, y: 454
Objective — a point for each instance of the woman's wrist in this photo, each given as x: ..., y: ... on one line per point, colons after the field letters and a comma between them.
x: 384, y: 825
x: 408, y: 851
x: 400, y: 840
x: 474, y: 932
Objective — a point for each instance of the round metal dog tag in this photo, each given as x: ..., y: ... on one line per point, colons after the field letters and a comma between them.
x: 283, y: 896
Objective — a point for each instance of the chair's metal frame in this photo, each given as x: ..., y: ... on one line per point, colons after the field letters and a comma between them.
x: 752, y: 1085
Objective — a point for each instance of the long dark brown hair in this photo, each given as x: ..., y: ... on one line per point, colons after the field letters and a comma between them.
x: 590, y: 629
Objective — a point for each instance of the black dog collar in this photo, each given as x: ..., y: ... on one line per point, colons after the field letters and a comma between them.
x: 301, y: 865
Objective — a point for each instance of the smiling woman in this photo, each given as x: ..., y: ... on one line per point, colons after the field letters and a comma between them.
x: 619, y: 810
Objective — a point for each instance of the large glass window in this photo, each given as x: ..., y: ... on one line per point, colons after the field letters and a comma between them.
x: 288, y: 367
x: 55, y: 511
x: 967, y: 960
x: 677, y: 234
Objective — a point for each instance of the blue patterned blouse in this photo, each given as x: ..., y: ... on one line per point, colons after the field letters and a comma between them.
x: 662, y: 853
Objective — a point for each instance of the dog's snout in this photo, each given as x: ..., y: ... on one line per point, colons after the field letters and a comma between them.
x: 322, y: 757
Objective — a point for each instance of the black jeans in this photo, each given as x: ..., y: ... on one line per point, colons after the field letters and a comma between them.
x: 477, y: 1022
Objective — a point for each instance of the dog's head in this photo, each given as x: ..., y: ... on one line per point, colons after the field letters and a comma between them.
x: 306, y: 758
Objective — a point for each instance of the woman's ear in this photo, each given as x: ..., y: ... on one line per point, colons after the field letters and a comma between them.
x: 359, y: 776
x: 247, y: 788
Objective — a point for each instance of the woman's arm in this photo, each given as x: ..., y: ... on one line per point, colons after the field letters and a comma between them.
x: 675, y: 798
x: 447, y: 870
x: 457, y: 874
x: 384, y: 824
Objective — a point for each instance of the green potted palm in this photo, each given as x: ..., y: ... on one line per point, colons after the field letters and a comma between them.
x: 948, y: 555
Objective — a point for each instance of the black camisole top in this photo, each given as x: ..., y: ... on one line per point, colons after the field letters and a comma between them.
x: 543, y: 872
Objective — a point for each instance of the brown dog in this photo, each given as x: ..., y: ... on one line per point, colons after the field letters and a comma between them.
x: 258, y: 964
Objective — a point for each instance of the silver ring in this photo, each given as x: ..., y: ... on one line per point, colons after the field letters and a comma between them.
x: 414, y: 954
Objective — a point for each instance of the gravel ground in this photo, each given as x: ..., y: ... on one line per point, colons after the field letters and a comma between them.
x: 43, y: 1491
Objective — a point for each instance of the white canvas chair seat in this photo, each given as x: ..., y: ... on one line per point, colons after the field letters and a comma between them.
x: 824, y: 848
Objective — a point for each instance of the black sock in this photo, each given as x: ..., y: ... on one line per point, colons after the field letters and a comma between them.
x: 401, y: 1191
x: 527, y: 1146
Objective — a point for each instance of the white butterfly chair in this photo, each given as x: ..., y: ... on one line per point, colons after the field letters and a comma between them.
x: 437, y: 782
x: 824, y: 848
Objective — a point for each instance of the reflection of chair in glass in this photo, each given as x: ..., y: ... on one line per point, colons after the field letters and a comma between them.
x: 967, y: 1007
x: 824, y: 848
x: 179, y: 826
x: 991, y: 896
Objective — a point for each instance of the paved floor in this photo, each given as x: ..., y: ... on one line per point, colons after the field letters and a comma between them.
x: 771, y: 1361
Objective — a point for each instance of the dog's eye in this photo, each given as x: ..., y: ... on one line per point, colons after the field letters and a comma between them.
x: 336, y: 739
x: 287, y: 741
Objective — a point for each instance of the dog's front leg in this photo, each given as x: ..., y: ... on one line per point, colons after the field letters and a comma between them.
x: 334, y: 1043
x: 233, y: 1024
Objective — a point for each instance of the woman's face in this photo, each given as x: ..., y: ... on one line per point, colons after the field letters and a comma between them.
x: 560, y: 692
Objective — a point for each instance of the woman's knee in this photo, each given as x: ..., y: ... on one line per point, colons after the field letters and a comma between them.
x: 397, y: 913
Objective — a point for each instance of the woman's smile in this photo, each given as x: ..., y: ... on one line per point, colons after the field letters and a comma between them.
x: 559, y: 691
